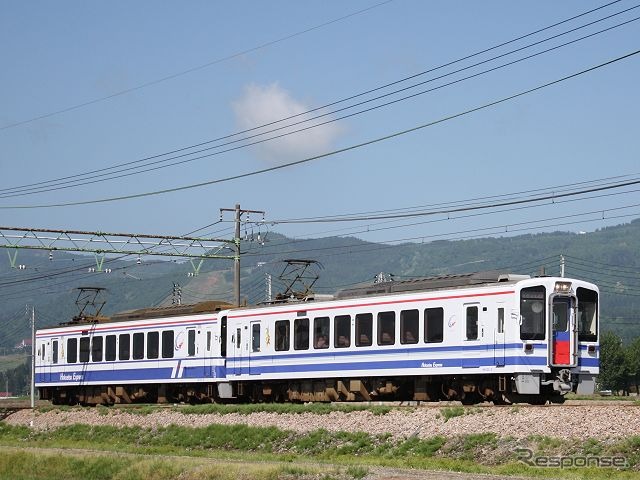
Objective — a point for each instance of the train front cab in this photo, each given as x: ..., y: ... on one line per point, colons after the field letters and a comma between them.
x: 564, y: 314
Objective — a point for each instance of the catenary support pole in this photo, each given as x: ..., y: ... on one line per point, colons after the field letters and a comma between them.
x: 236, y: 271
x: 33, y: 356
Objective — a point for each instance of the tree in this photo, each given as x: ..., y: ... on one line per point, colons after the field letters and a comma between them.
x: 632, y: 358
x: 613, y: 363
x: 18, y: 379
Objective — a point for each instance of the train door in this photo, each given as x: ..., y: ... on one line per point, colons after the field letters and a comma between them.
x: 209, y: 339
x: 55, y: 356
x: 255, y: 345
x: 498, y: 338
x: 473, y: 335
x: 45, y: 359
x: 236, y: 348
x: 241, y: 346
x: 563, y: 338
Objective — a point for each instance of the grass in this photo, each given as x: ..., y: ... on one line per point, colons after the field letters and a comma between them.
x: 241, y: 409
x: 247, y: 409
x: 596, y: 397
x: 451, y: 412
x: 341, y: 455
x: 23, y: 465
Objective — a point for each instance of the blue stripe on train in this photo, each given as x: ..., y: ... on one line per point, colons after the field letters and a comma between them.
x: 588, y: 362
x: 202, y: 372
x: 137, y: 374
x: 318, y: 354
x: 426, y: 365
x: 220, y: 372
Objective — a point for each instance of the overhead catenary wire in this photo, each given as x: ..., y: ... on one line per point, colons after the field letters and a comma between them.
x: 328, y: 154
x: 620, y: 268
x: 461, y: 235
x: 461, y: 217
x: 367, y: 228
x: 53, y: 185
x: 486, y: 200
x: 600, y: 212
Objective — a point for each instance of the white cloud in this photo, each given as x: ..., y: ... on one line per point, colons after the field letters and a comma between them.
x: 264, y: 104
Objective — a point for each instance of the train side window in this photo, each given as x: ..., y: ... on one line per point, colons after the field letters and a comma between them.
x: 409, y: 326
x: 386, y: 328
x: 472, y: 323
x: 282, y: 335
x: 110, y: 348
x: 191, y: 343
x: 223, y: 337
x: 153, y: 344
x: 587, y: 315
x: 167, y: 344
x: 433, y: 325
x: 364, y: 329
x: 96, y: 349
x: 54, y: 351
x: 138, y: 346
x: 532, y: 313
x: 208, y: 341
x: 85, y: 346
x: 72, y: 350
x: 301, y: 334
x: 321, y: 332
x: 501, y: 320
x: 255, y: 337
x: 342, y: 331
x: 124, y: 351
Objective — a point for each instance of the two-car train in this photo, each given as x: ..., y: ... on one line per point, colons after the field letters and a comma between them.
x: 474, y: 337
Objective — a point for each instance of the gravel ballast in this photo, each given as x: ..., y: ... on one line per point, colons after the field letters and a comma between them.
x: 580, y: 422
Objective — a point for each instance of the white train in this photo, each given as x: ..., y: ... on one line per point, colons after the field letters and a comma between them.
x: 475, y: 337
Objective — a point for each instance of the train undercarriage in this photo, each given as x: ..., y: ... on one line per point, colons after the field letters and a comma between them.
x: 499, y: 389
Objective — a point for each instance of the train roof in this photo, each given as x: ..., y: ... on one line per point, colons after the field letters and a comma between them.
x: 384, y: 288
x: 432, y: 283
x: 155, y: 312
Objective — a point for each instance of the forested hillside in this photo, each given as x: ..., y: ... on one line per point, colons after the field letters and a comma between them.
x: 609, y: 257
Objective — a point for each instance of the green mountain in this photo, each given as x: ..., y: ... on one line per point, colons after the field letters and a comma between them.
x: 609, y: 257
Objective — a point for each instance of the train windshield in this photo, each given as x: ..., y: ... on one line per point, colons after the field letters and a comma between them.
x: 587, y: 315
x: 532, y: 313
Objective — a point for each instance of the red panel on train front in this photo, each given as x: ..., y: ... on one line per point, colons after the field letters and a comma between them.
x: 561, y: 348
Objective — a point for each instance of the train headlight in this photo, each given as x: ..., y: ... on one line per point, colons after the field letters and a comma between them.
x: 562, y: 287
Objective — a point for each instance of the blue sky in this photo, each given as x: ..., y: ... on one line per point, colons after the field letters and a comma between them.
x: 60, y: 54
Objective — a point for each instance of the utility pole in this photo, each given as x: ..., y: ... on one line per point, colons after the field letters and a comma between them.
x: 33, y: 356
x: 268, y: 275
x: 562, y: 265
x: 236, y: 273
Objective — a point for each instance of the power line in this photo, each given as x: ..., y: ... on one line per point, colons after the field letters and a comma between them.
x: 553, y: 197
x: 19, y: 191
x: 487, y: 200
x: 622, y: 268
x: 328, y: 154
x: 199, y: 67
x: 388, y: 244
x: 600, y: 212
x: 369, y: 229
x: 352, y: 231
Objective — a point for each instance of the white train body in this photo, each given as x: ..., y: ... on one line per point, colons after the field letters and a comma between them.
x: 510, y: 339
